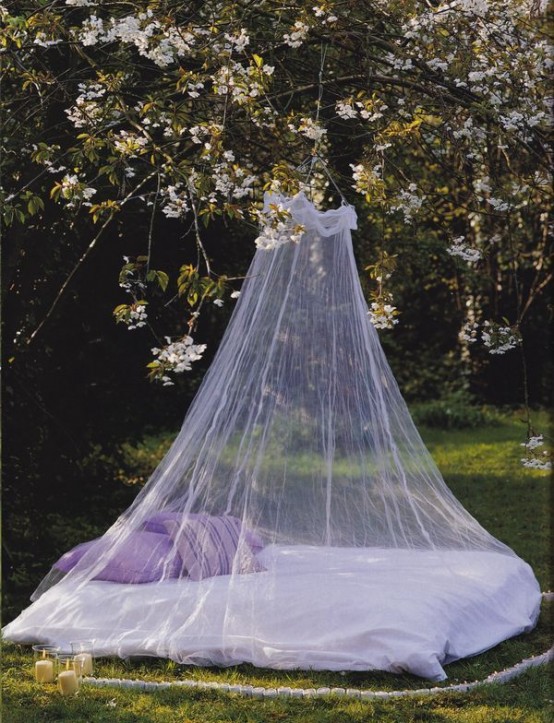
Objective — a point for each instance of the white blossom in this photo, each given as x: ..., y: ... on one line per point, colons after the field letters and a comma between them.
x: 91, y: 30
x: 73, y: 190
x: 366, y: 178
x: 320, y: 13
x: 401, y: 63
x: 53, y: 169
x: 468, y: 332
x: 473, y: 7
x: 345, y: 110
x: 309, y: 128
x: 298, y: 34
x: 88, y: 192
x: 536, y: 463
x: 199, y: 134
x: 498, y: 204
x: 513, y: 121
x: 178, y: 356
x: 437, y: 64
x: 159, y: 43
x: 129, y: 144
x: 373, y: 111
x: 408, y: 202
x: 137, y: 316
x: 537, y: 458
x: 176, y: 204
x: 476, y: 76
x: 278, y: 228
x: 460, y: 249
x: 70, y: 183
x: 382, y: 315
x: 499, y: 339
x: 90, y: 105
x: 42, y: 40
x: 232, y: 183
x: 482, y: 185
x: 238, y: 42
x: 534, y: 442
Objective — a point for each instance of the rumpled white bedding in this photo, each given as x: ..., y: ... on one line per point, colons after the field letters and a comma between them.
x: 315, y: 608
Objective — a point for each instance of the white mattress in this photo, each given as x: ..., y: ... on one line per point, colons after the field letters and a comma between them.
x: 314, y: 608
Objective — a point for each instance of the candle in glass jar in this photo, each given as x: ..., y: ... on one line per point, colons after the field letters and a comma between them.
x: 83, y: 664
x: 44, y: 671
x: 67, y: 682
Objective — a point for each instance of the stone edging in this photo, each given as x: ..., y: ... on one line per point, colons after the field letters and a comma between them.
x: 259, y: 692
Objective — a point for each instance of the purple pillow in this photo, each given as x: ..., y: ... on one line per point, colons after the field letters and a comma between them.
x: 69, y: 559
x: 254, y: 541
x: 142, y: 557
x: 156, y: 523
x: 209, y: 546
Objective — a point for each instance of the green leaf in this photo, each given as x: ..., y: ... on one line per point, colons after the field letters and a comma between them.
x: 160, y: 277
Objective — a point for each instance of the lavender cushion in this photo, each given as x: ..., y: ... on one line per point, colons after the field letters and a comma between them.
x: 254, y: 541
x: 156, y: 523
x: 142, y: 557
x: 69, y: 559
x: 210, y: 546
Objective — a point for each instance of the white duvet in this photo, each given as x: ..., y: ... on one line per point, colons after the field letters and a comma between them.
x: 314, y: 608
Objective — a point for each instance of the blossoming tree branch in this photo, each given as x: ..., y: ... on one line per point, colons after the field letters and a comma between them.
x: 421, y: 112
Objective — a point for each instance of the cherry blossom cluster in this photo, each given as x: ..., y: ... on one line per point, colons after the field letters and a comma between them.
x: 297, y: 34
x: 537, y: 457
x: 368, y: 110
x: 159, y: 42
x: 134, y: 315
x: 408, y: 202
x: 463, y: 251
x: 309, y: 128
x: 90, y: 106
x: 496, y: 338
x: 277, y: 228
x: 137, y: 316
x: 382, y: 314
x: 174, y: 358
x: 499, y: 339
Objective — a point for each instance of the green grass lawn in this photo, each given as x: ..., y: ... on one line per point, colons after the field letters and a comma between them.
x: 482, y: 468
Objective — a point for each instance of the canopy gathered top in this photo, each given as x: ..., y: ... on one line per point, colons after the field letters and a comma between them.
x: 298, y: 521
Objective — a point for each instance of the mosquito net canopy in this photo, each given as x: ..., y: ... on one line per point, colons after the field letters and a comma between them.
x: 298, y: 521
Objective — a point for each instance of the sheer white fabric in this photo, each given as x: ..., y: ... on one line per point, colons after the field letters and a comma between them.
x: 300, y: 437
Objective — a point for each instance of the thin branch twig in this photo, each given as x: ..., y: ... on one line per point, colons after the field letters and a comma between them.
x: 81, y: 260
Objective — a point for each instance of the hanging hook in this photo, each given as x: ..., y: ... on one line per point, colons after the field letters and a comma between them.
x: 309, y: 163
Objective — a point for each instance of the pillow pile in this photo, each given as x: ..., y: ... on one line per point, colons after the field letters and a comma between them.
x: 172, y: 545
x: 141, y: 557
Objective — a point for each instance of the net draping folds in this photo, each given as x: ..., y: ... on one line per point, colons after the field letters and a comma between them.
x: 298, y: 511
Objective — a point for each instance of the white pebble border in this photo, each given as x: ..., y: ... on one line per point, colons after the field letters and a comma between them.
x: 250, y: 691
